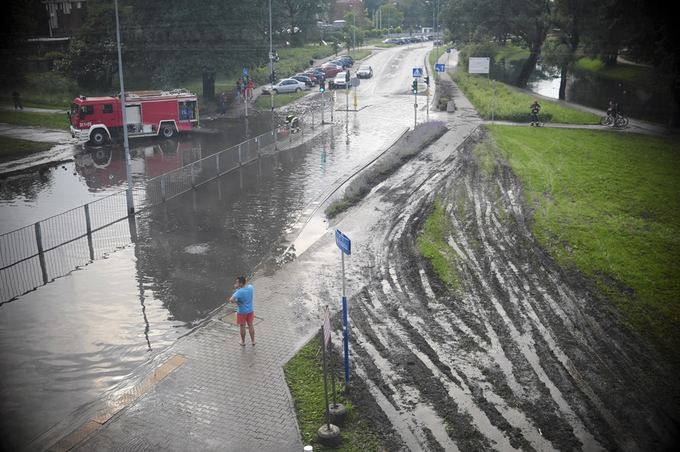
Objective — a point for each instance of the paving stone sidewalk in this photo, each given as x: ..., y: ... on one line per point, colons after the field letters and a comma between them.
x: 226, y: 397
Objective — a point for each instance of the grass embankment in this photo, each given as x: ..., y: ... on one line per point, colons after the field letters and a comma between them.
x: 511, y: 105
x: 44, y: 120
x: 432, y: 244
x: 608, y: 204
x: 11, y: 148
x: 304, y: 375
x: 263, y: 102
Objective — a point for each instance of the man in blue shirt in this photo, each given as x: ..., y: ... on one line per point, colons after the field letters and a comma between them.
x: 243, y: 298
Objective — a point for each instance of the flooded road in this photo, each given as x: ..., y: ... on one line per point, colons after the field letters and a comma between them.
x: 69, y: 341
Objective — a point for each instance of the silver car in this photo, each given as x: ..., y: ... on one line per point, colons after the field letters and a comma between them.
x: 365, y: 72
x: 287, y: 85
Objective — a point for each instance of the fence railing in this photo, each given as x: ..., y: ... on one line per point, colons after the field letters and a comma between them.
x: 37, y: 254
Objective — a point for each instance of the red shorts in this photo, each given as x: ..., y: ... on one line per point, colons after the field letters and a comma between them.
x: 242, y: 319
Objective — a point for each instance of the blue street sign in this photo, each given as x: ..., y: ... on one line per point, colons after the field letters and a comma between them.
x: 448, y: 50
x: 417, y: 72
x: 245, y: 71
x: 343, y: 242
x: 440, y: 67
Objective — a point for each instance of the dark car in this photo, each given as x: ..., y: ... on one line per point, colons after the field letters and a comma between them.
x: 318, y: 73
x: 311, y: 76
x: 304, y: 79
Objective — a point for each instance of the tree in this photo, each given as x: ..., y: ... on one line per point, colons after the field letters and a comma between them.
x: 392, y: 17
x: 528, y: 21
x: 17, y: 24
x: 571, y: 20
x: 300, y: 17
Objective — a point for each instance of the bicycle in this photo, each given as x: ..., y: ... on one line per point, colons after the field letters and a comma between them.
x: 617, y: 120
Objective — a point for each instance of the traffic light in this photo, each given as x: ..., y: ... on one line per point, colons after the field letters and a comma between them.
x: 427, y: 80
x: 274, y: 56
x: 273, y: 76
x: 347, y: 76
x: 322, y: 86
x: 414, y: 86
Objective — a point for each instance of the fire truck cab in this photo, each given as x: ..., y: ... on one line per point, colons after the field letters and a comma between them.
x: 99, y: 120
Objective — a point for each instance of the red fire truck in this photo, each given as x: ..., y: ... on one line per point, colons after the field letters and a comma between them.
x: 149, y: 113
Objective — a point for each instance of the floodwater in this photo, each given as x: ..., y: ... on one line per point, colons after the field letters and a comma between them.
x: 596, y: 92
x: 65, y: 343
x: 93, y: 173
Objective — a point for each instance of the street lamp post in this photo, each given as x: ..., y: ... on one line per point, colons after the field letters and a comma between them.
x: 126, y: 145
x: 271, y: 62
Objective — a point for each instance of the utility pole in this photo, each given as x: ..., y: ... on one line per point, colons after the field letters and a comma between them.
x: 271, y: 62
x: 126, y: 144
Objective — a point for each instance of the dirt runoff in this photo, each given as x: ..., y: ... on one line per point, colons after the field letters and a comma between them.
x: 523, y: 356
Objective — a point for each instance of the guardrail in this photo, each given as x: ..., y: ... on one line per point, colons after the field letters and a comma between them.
x: 37, y: 254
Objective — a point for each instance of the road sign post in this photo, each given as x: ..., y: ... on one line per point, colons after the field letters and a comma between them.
x: 345, y: 244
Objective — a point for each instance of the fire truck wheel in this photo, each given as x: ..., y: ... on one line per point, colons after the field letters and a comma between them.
x: 98, y: 137
x: 168, y: 131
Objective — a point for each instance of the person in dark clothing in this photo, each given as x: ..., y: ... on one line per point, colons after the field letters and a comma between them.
x: 293, y: 123
x: 535, y: 110
x: 16, y: 97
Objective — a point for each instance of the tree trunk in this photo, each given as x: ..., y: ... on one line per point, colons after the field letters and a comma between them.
x: 564, y: 73
x: 528, y: 66
x: 208, y: 85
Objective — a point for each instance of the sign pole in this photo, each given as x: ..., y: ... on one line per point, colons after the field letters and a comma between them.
x: 415, y: 110
x: 325, y: 381
x: 345, y: 244
x: 323, y: 121
x: 345, y: 331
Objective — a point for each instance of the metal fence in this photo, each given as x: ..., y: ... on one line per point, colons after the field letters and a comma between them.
x: 37, y: 254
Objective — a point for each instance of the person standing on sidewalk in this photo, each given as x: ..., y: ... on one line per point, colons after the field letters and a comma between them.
x: 16, y: 97
x: 243, y: 298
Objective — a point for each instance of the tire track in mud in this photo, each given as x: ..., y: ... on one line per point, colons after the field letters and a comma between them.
x: 523, y: 356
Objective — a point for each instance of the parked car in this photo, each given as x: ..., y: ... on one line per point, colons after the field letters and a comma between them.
x: 340, y: 80
x: 312, y: 75
x: 365, y: 72
x: 304, y: 79
x: 287, y: 85
x: 331, y: 70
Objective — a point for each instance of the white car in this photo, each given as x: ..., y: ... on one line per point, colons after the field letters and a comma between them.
x: 287, y: 85
x: 340, y: 80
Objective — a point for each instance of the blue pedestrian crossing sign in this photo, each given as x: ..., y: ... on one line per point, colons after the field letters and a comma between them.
x: 343, y: 242
x: 245, y: 72
x: 417, y: 72
x: 440, y: 67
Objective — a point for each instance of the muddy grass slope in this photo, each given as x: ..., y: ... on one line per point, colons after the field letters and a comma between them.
x: 608, y: 205
x: 405, y: 148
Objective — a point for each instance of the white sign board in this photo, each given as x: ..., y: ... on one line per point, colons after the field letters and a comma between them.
x: 478, y: 65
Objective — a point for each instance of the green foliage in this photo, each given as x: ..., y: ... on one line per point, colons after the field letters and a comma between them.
x: 304, y: 375
x: 432, y: 244
x: 512, y: 105
x: 48, y: 90
x: 11, y: 148
x: 45, y: 120
x: 392, y: 17
x: 607, y: 204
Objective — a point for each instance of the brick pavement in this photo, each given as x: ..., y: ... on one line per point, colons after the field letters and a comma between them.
x: 227, y: 397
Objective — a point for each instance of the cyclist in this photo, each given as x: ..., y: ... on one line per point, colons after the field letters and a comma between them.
x: 535, y: 109
x: 293, y: 123
x: 613, y: 109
